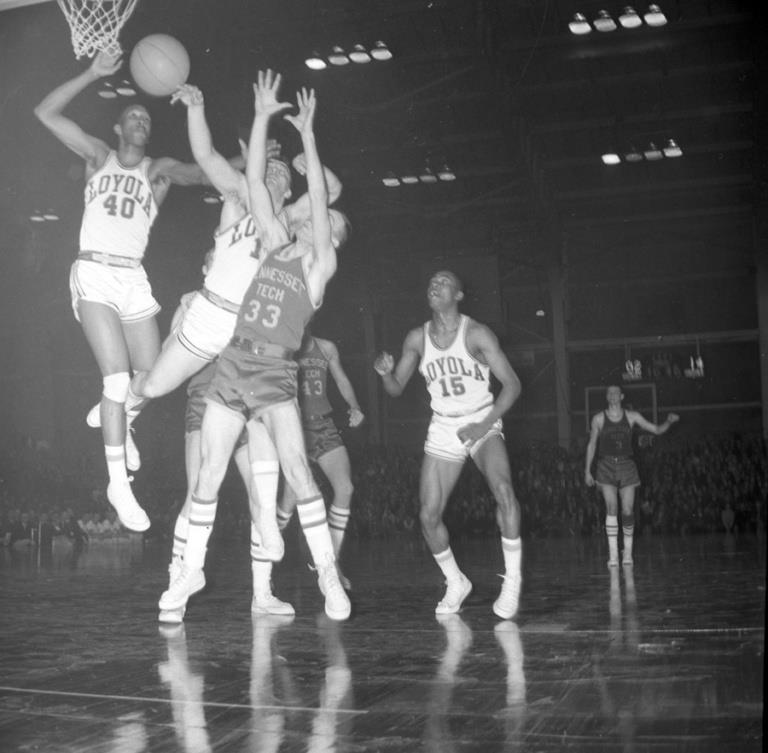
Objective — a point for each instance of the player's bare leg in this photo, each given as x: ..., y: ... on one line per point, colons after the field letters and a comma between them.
x: 284, y: 426
x: 143, y: 340
x: 610, y: 496
x: 192, y: 461
x: 438, y: 478
x: 258, y: 463
x: 491, y: 459
x: 336, y: 466
x: 627, y: 494
x: 264, y: 475
x: 104, y: 333
x: 219, y: 433
x: 173, y: 365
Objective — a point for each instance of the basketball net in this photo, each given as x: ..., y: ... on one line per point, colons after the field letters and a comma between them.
x: 95, y: 24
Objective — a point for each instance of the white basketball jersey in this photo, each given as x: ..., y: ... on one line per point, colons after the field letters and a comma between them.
x: 458, y: 383
x: 119, y: 209
x: 235, y: 260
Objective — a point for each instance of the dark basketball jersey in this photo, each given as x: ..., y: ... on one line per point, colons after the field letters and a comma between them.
x: 313, y: 381
x: 276, y: 307
x: 615, y: 437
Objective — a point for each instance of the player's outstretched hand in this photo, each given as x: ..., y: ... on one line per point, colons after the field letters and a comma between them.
x: 384, y: 364
x: 672, y: 418
x: 356, y: 417
x: 307, y: 103
x: 265, y: 90
x: 105, y: 64
x: 300, y: 163
x: 188, y: 95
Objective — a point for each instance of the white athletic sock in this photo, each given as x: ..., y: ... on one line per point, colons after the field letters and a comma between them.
x: 447, y: 563
x: 612, y: 531
x: 116, y: 463
x: 180, y: 533
x: 202, y: 515
x: 283, y: 518
x: 338, y: 518
x: 314, y: 524
x: 261, y: 568
x: 512, y: 550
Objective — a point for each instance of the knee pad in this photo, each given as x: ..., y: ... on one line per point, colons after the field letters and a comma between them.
x: 116, y: 386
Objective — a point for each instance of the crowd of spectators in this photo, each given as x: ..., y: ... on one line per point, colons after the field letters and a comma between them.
x: 716, y: 484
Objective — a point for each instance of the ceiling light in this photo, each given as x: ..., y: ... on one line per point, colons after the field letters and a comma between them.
x: 338, y: 56
x: 672, y: 149
x: 446, y: 174
x: 579, y: 24
x: 380, y: 51
x: 390, y: 179
x: 108, y: 91
x: 653, y: 153
x: 359, y: 54
x: 125, y: 89
x: 654, y: 16
x: 36, y: 216
x: 427, y: 176
x: 541, y: 313
x: 315, y: 62
x: 629, y: 19
x: 611, y: 158
x: 50, y: 215
x: 409, y: 179
x: 632, y: 155
x: 604, y: 22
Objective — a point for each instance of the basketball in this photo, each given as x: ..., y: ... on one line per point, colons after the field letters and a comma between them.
x: 159, y: 64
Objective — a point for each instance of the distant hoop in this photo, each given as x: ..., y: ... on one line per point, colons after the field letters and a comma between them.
x: 95, y: 24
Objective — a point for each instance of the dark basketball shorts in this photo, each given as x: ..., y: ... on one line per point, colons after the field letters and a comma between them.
x: 250, y: 384
x: 617, y: 471
x: 321, y: 436
x: 196, y: 392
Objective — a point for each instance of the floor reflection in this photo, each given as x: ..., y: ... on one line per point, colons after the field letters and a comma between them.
x: 665, y: 656
x: 513, y: 715
x: 186, y: 691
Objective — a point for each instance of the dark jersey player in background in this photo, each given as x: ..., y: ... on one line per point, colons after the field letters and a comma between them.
x: 325, y: 447
x: 616, y: 475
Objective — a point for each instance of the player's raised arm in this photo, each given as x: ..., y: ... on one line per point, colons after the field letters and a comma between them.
x: 50, y: 111
x: 321, y: 264
x: 265, y: 105
x: 218, y: 170
x: 395, y: 378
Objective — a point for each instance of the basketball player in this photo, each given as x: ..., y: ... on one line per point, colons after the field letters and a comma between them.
x: 611, y: 436
x: 209, y: 320
x: 111, y: 295
x: 325, y: 447
x: 456, y: 356
x: 263, y: 602
x: 256, y: 377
